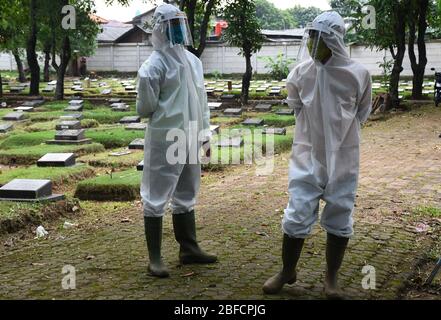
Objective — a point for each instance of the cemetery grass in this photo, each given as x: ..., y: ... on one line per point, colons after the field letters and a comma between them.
x: 30, y: 154
x: 58, y: 175
x: 15, y: 216
x: 118, y: 186
x: 103, y: 159
x: 109, y: 137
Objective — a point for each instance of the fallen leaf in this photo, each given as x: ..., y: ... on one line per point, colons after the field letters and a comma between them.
x: 188, y: 274
x: 36, y: 264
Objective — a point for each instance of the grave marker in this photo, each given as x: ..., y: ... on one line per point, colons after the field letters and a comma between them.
x: 49, y: 89
x: 275, y: 131
x: 27, y: 190
x: 214, y: 106
x: 130, y: 119
x: 14, y: 116
x: 114, y: 100
x: 75, y: 136
x: 5, y: 127
x: 68, y: 125
x: 235, y: 142
x: 285, y: 112
x: 137, y: 144
x: 136, y: 126
x: 74, y: 108
x: 140, y: 166
x: 121, y: 107
x: 57, y: 160
x: 16, y: 89
x: 76, y: 102
x: 24, y: 109
x: 233, y: 112
x: 253, y: 122
x: 263, y: 107
x: 72, y: 116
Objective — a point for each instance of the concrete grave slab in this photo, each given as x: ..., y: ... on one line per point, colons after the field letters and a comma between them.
x: 28, y: 190
x: 57, y: 160
x: 235, y: 142
x: 14, y: 116
x: 233, y: 112
x: 5, y: 127
x: 285, y: 112
x: 253, y: 122
x: 275, y: 131
x: 263, y: 107
x: 130, y: 119
x: 136, y: 126
x: 68, y: 125
x: 137, y: 144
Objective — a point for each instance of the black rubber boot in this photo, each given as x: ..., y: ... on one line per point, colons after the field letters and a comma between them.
x: 153, y: 235
x: 185, y: 233
x: 291, y: 250
x: 335, y: 252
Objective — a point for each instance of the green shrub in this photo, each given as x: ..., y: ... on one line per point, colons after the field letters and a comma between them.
x: 279, y: 66
x: 89, y: 123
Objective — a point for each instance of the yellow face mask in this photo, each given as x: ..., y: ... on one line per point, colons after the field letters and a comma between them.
x: 323, y: 52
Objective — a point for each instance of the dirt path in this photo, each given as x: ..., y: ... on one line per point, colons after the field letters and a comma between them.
x: 239, y: 218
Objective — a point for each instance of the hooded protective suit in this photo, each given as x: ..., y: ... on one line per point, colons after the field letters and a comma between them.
x: 171, y: 93
x: 330, y: 100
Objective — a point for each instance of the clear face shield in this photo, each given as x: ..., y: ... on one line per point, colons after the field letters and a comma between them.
x: 175, y: 27
x: 178, y: 32
x: 313, y: 46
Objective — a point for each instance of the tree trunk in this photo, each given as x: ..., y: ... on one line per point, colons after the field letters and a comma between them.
x: 30, y: 50
x: 400, y: 34
x: 204, y: 28
x: 61, y: 69
x: 1, y: 86
x: 47, y: 59
x: 191, y: 6
x: 246, y: 80
x: 419, y: 67
x: 20, y: 69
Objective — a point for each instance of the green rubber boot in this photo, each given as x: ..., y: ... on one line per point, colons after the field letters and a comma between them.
x: 153, y: 235
x: 185, y: 233
x: 335, y: 252
x: 291, y: 250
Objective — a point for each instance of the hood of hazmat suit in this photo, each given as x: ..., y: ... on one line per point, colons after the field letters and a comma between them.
x: 331, y: 100
x: 171, y: 92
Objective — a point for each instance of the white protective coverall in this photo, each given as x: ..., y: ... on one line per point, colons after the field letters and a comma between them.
x: 331, y: 101
x: 172, y: 94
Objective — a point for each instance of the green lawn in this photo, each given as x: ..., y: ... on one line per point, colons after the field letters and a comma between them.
x: 104, y: 159
x: 55, y: 174
x: 121, y: 186
x: 29, y: 155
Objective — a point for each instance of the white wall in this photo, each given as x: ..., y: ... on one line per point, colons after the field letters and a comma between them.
x: 129, y: 57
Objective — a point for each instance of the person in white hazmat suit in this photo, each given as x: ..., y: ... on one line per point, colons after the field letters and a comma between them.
x: 171, y: 93
x: 331, y: 95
